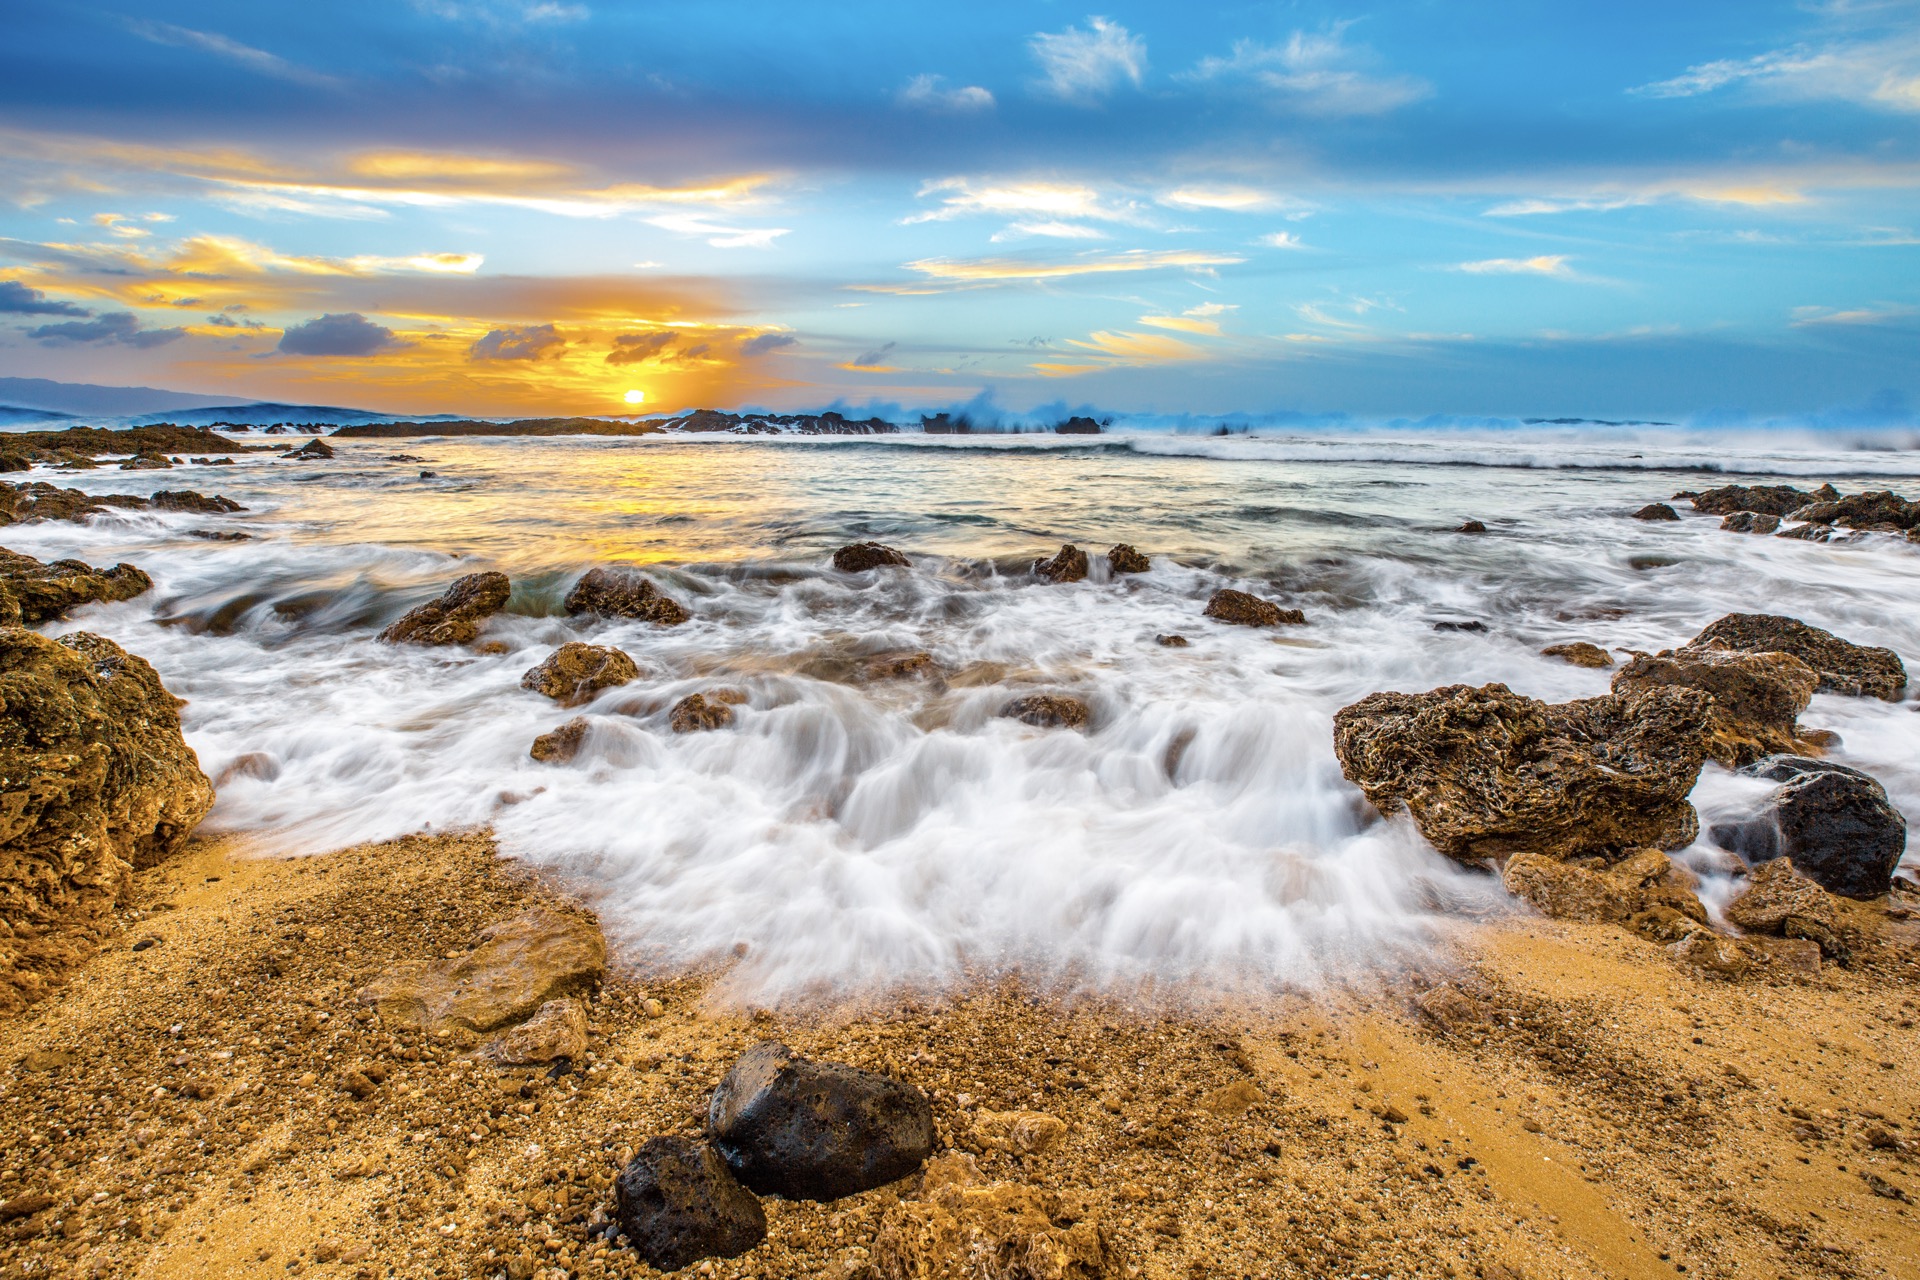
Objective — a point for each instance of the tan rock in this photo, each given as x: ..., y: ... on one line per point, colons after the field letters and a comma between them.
x: 457, y: 616
x: 559, y: 746
x: 1450, y: 1007
x: 557, y: 1029
x: 1233, y: 1099
x: 695, y: 714
x: 1069, y: 564
x: 1241, y: 609
x: 1776, y: 893
x: 622, y: 592
x: 517, y: 966
x: 1716, y: 954
x: 1020, y: 1132
x: 963, y: 1229
x: 1048, y: 711
x: 1579, y: 653
x: 33, y: 592
x: 1125, y: 558
x: 1565, y: 891
x: 1756, y: 696
x: 575, y: 672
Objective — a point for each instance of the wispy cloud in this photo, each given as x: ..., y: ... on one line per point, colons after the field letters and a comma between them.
x: 717, y: 235
x: 927, y: 93
x: 256, y: 60
x: 1882, y: 73
x: 1804, y: 317
x: 1051, y: 201
x: 1085, y: 66
x: 1226, y: 199
x: 1282, y: 240
x: 1317, y: 75
x: 1052, y: 230
x: 1002, y: 270
x: 1554, y: 264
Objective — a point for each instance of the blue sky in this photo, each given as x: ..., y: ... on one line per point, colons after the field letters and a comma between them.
x: 1397, y: 208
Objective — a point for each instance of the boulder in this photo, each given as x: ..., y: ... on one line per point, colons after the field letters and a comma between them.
x: 514, y: 967
x: 1172, y: 640
x: 695, y: 714
x: 32, y: 592
x: 1241, y: 609
x: 1486, y: 772
x: 313, y: 450
x: 1750, y: 522
x: 1757, y: 697
x: 1781, y: 902
x: 858, y: 557
x: 1766, y: 499
x: 96, y: 781
x: 1069, y: 564
x: 1656, y: 511
x: 456, y: 617
x: 188, y: 500
x: 575, y: 672
x: 1123, y: 558
x: 1840, y: 665
x: 557, y: 1029
x: 1470, y: 526
x: 1048, y: 711
x: 559, y: 746
x: 816, y: 1130
x: 1643, y: 882
x: 620, y: 592
x: 1579, y: 653
x: 1835, y: 824
x: 963, y: 1228
x: 677, y: 1202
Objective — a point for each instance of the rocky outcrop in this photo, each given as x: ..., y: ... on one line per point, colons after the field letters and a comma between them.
x: 1124, y: 558
x: 514, y: 968
x: 21, y: 504
x: 696, y: 713
x: 1840, y: 665
x: 1656, y: 511
x: 1241, y: 609
x: 677, y: 1202
x: 314, y: 450
x: 1645, y: 890
x: 619, y: 592
x: 1757, y: 697
x: 858, y: 557
x: 1750, y: 522
x: 1778, y: 900
x: 809, y: 1130
x: 95, y: 782
x: 188, y: 500
x: 560, y: 746
x: 1048, y: 711
x: 962, y: 1227
x: 1579, y: 653
x: 32, y: 592
x: 1836, y: 825
x: 457, y: 616
x: 1874, y: 509
x: 576, y: 672
x: 1069, y: 564
x: 1486, y: 772
x: 1766, y: 499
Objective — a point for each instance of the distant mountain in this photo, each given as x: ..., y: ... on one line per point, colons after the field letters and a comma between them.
x: 14, y: 416
x: 266, y: 413
x: 82, y: 398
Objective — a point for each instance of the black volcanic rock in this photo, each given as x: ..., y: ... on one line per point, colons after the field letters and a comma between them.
x: 677, y: 1202
x: 1835, y: 824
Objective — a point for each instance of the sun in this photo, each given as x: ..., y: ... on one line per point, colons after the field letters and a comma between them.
x: 635, y: 397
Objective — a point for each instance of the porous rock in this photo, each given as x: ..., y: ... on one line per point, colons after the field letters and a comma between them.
x: 1766, y: 499
x: 1019, y: 1132
x: 1779, y: 901
x: 962, y: 1228
x: 677, y: 1202
x: 1644, y: 881
x: 1836, y: 824
x: 1750, y: 522
x: 557, y: 1029
x: 1048, y: 711
x: 695, y: 713
x: 575, y: 672
x: 515, y: 966
x: 96, y: 781
x: 816, y: 1130
x: 619, y: 592
x: 188, y: 500
x: 901, y: 666
x: 858, y: 557
x: 32, y: 592
x: 1840, y: 665
x: 1656, y: 511
x: 1579, y: 653
x: 1486, y: 772
x: 1757, y: 697
x: 1125, y: 558
x: 1069, y: 564
x: 38, y: 500
x: 456, y: 617
x: 1244, y: 610
x: 558, y: 746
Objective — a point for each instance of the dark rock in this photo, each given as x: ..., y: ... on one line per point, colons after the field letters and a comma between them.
x: 677, y: 1202
x: 1874, y: 509
x: 1487, y: 772
x: 1656, y: 511
x: 1124, y: 558
x: 220, y: 535
x: 313, y: 450
x: 1048, y: 711
x: 147, y: 462
x: 576, y: 672
x: 1069, y: 564
x: 1808, y: 533
x: 1171, y: 640
x: 1767, y: 499
x: 31, y: 592
x: 619, y: 592
x: 403, y: 457
x: 1473, y: 625
x: 1470, y: 526
x: 695, y: 714
x: 1241, y: 609
x: 188, y: 500
x: 558, y: 746
x: 1750, y: 522
x: 858, y: 557
x: 1842, y: 666
x: 456, y: 617
x: 1077, y: 426
x: 1757, y: 697
x: 1835, y: 823
x: 816, y: 1130
x: 1579, y: 653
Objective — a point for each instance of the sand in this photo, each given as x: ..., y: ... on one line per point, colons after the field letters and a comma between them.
x: 1584, y: 1107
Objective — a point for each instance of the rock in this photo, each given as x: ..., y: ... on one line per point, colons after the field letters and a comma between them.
x: 619, y: 592
x: 312, y: 451
x: 1579, y: 653
x: 1487, y: 772
x: 515, y: 967
x: 1645, y: 880
x: 456, y: 617
x: 147, y: 462
x: 557, y: 1029
x: 901, y: 666
x: 1656, y: 511
x: 1808, y: 532
x: 1716, y: 954
x: 858, y: 557
x: 1836, y: 825
x: 1793, y: 957
x: 96, y: 781
x: 1019, y: 1132
x: 963, y: 1229
x: 1069, y: 564
x: 1048, y: 711
x: 32, y: 592
x: 1451, y: 1008
x: 695, y: 714
x: 188, y: 500
x: 1874, y: 509
x: 1123, y: 558
x: 1757, y: 697
x: 1241, y: 609
x: 559, y: 746
x: 1473, y: 626
x: 677, y: 1202
x: 1470, y: 526
x: 1840, y: 665
x: 1750, y: 522
x: 38, y: 500
x: 575, y: 672
x: 816, y: 1130
x: 1171, y: 640
x: 1766, y: 499
x: 1778, y: 900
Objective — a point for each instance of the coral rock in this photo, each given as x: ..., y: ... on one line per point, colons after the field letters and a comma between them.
x: 575, y: 672
x: 1840, y: 665
x: 456, y: 617
x: 623, y: 593
x: 1241, y: 609
x: 1123, y: 558
x: 695, y: 714
x: 1656, y: 511
x: 963, y: 1229
x: 1756, y: 696
x: 1069, y: 564
x: 1579, y: 653
x: 557, y: 1029
x: 858, y: 557
x: 1048, y: 711
x: 558, y: 746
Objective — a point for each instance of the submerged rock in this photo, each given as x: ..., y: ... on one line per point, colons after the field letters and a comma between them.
x: 575, y: 672
x: 677, y: 1202
x: 1048, y: 711
x: 1244, y: 610
x: 619, y: 592
x: 1750, y: 522
x: 456, y: 617
x: 1172, y: 640
x: 557, y: 1029
x: 515, y: 967
x: 559, y: 746
x: 695, y: 714
x: 963, y: 1228
x: 1766, y: 499
x: 1836, y: 825
x: 858, y: 557
x: 809, y: 1130
x: 188, y: 500
x: 1123, y: 558
x: 96, y: 781
x: 1656, y: 511
x: 1757, y: 697
x: 1840, y: 665
x: 1470, y: 526
x: 1486, y: 772
x: 901, y: 666
x: 1579, y: 653
x: 1069, y: 564
x: 32, y: 592
x: 313, y: 450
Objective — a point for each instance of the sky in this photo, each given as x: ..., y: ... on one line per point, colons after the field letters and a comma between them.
x: 1410, y: 207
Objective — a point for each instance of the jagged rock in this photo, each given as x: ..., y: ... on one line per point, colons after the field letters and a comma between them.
x: 1750, y: 522
x: 961, y: 1228
x: 147, y: 462
x: 1069, y: 564
x: 1766, y: 499
x: 32, y: 592
x: 619, y: 592
x: 677, y: 1202
x: 1487, y: 772
x: 816, y: 1130
x: 38, y: 500
x: 313, y: 450
x: 1778, y: 900
x: 575, y: 672
x: 96, y: 781
x: 1757, y: 697
x: 695, y: 714
x: 1874, y: 509
x: 558, y: 746
x: 1241, y: 609
x: 1835, y: 823
x: 456, y: 617
x: 858, y: 557
x: 1048, y: 711
x: 557, y: 1029
x: 1579, y: 653
x: 515, y: 966
x: 1808, y: 533
x: 1470, y: 526
x: 1645, y: 880
x: 1123, y: 558
x: 1656, y: 511
x: 1842, y: 666
x: 188, y: 500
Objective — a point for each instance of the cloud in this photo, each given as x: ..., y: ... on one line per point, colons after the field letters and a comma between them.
x: 995, y: 270
x: 1804, y: 317
x: 720, y: 237
x: 639, y: 348
x: 1050, y: 230
x: 1554, y: 264
x: 1883, y: 74
x: 526, y: 342
x: 1315, y: 75
x: 1225, y: 199
x: 18, y: 300
x: 1282, y: 240
x: 117, y: 327
x: 255, y: 60
x: 1084, y: 66
x: 504, y: 13
x: 924, y: 92
x: 875, y: 359
x: 764, y: 343
x: 344, y: 334
x: 1050, y: 201
x: 1199, y: 320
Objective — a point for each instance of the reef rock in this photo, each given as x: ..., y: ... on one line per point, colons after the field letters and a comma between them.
x: 32, y: 592
x: 1646, y: 881
x: 677, y: 1202
x: 1124, y: 558
x: 95, y: 782
x: 1048, y: 711
x: 695, y: 713
x: 456, y: 617
x: 1836, y: 825
x: 188, y: 500
x: 961, y: 1228
x: 858, y: 557
x: 1757, y: 697
x: 1069, y: 564
x: 1486, y: 772
x: 1766, y: 499
x: 1579, y: 653
x: 1842, y: 666
x: 1656, y: 511
x: 559, y: 746
x: 514, y: 967
x: 575, y: 672
x: 1750, y: 522
x: 619, y: 592
x: 1874, y: 509
x: 1241, y: 609
x: 1779, y: 901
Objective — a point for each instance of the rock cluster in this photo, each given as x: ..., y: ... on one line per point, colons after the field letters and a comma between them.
x: 1069, y: 564
x: 858, y: 557
x: 1764, y: 499
x: 576, y: 672
x: 619, y: 592
x: 38, y: 500
x: 32, y: 592
x: 457, y: 616
x: 1242, y: 609
x: 1756, y: 697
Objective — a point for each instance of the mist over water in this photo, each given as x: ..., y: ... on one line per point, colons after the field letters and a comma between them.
x: 852, y: 834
